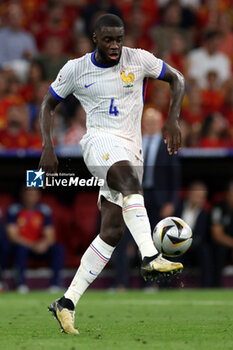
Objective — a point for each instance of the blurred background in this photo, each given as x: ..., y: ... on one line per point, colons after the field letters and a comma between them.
x: 44, y: 233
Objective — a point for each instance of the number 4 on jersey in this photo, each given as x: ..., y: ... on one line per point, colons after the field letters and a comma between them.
x: 113, y: 109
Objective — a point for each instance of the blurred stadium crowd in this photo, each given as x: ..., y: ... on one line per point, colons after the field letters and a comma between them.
x: 37, y: 37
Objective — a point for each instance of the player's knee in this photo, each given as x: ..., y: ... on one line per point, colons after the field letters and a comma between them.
x: 131, y: 185
x: 112, y: 235
x: 126, y: 184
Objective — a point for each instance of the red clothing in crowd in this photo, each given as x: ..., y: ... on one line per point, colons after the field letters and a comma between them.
x: 192, y: 117
x: 35, y: 142
x: 7, y: 140
x: 177, y: 61
x: 206, y: 142
x: 227, y: 111
x: 30, y: 224
x: 148, y: 8
x: 212, y: 101
x: 5, y: 104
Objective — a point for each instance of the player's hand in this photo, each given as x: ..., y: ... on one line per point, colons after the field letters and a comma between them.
x: 40, y: 247
x: 48, y: 160
x: 172, y: 136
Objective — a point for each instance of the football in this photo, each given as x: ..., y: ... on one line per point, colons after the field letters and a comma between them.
x: 172, y: 236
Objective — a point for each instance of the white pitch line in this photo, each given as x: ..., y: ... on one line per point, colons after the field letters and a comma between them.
x: 163, y: 302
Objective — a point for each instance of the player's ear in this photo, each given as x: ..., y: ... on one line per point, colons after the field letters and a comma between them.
x: 94, y: 38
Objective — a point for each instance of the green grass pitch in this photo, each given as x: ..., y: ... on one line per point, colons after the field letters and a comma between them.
x: 176, y: 319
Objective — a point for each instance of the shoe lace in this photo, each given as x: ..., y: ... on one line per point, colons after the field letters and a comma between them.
x: 161, y: 260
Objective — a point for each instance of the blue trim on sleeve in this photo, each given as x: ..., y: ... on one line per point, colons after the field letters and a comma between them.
x: 144, y: 86
x: 161, y: 75
x: 57, y: 97
x: 96, y: 63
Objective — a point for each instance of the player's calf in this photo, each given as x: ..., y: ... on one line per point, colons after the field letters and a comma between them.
x: 136, y: 219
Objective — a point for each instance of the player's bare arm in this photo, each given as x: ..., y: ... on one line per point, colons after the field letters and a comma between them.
x: 218, y: 234
x: 46, y: 241
x: 48, y: 160
x: 12, y: 231
x: 171, y: 130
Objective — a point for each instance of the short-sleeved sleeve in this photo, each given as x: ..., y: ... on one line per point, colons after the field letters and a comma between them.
x: 153, y: 67
x: 64, y: 83
x: 47, y: 213
x: 12, y: 213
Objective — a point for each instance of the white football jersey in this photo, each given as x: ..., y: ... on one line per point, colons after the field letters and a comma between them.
x: 112, y: 96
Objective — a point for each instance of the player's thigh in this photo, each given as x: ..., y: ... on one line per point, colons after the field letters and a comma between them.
x: 112, y: 224
x: 123, y: 177
x: 101, y: 152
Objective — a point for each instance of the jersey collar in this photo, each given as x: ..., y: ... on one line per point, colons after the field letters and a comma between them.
x: 93, y: 60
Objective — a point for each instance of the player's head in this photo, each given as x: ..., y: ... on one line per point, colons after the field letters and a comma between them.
x: 30, y: 196
x: 212, y: 40
x: 197, y: 194
x: 108, y: 37
x: 152, y: 121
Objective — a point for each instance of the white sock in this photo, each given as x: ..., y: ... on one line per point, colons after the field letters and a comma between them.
x: 92, y: 263
x: 136, y: 219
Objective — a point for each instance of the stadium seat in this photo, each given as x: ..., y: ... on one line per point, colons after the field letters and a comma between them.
x: 75, y: 225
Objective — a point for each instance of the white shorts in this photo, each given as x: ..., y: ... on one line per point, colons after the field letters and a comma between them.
x: 100, y: 152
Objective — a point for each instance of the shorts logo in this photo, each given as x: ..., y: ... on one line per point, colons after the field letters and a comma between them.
x: 35, y: 178
x: 128, y: 78
x: 106, y: 156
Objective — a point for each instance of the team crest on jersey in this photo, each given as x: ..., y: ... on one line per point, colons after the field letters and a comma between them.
x: 127, y: 77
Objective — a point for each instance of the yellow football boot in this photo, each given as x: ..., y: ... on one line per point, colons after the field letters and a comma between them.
x: 64, y: 316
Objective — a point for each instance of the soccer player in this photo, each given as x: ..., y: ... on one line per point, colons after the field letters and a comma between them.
x: 109, y: 83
